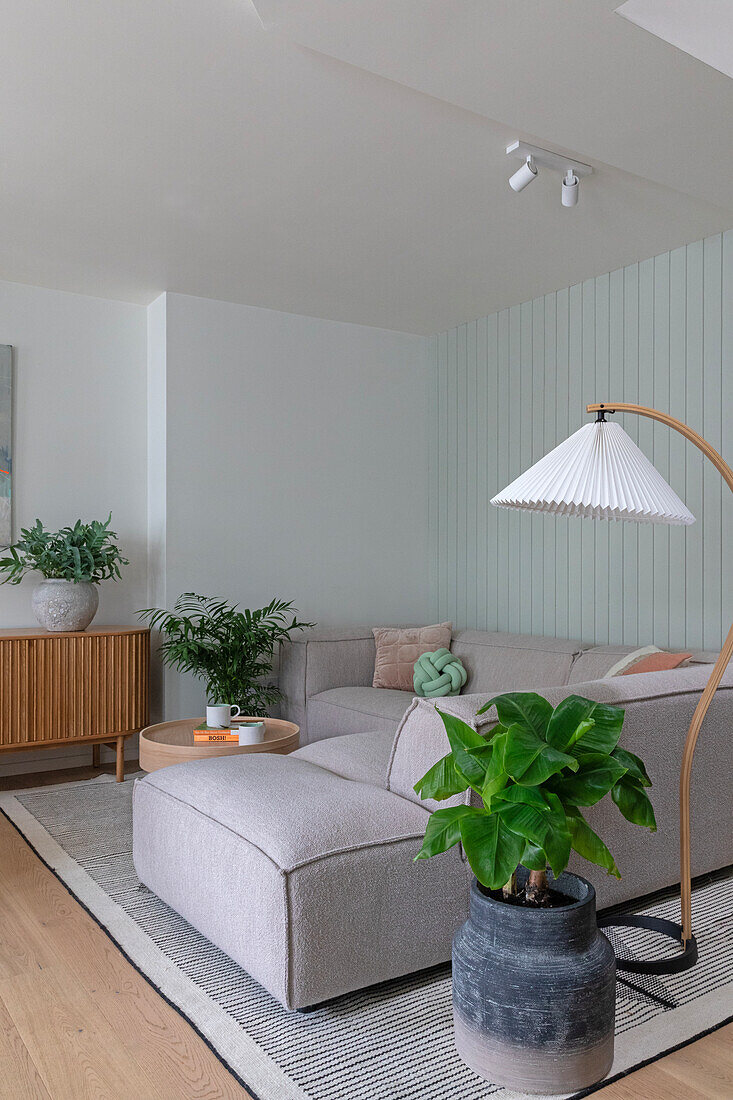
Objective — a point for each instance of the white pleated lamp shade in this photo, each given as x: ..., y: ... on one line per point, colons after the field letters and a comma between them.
x: 598, y: 472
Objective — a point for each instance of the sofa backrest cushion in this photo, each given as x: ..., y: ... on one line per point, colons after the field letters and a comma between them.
x: 513, y: 661
x: 597, y: 661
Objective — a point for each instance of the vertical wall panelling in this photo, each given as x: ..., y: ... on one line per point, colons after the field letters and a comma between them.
x: 558, y: 612
x: 660, y: 443
x: 513, y: 381
x: 441, y: 416
x: 433, y: 476
x: 678, y: 448
x: 712, y: 421
x: 727, y: 427
x: 587, y: 531
x: 526, y: 439
x: 645, y: 598
x: 550, y: 400
x: 694, y: 460
x: 452, y: 510
x: 481, y: 551
x: 575, y: 401
x: 615, y: 385
x: 630, y: 586
x: 602, y: 532
x: 511, y: 386
x: 501, y: 520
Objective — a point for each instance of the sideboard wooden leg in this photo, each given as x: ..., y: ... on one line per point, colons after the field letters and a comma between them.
x: 120, y: 770
x: 96, y: 755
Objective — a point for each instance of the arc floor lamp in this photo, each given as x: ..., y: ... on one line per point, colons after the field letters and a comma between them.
x: 599, y: 472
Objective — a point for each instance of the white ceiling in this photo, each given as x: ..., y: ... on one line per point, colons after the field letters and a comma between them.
x: 181, y: 145
x: 702, y: 28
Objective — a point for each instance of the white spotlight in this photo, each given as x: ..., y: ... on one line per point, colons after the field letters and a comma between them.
x: 570, y: 189
x: 523, y: 175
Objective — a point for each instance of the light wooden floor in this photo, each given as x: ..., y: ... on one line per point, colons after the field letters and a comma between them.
x: 78, y: 1021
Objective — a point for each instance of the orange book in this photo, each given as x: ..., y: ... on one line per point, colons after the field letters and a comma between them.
x: 207, y: 734
x: 212, y: 740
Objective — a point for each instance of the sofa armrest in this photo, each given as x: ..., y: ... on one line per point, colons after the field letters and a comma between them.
x: 320, y: 661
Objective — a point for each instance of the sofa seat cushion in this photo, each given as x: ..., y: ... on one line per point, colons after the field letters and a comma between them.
x: 360, y: 756
x: 228, y: 790
x: 356, y: 710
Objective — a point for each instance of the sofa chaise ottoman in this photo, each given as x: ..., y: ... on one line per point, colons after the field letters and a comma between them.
x: 301, y: 867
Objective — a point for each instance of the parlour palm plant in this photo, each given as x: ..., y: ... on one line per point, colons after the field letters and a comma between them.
x: 230, y: 649
x: 533, y: 775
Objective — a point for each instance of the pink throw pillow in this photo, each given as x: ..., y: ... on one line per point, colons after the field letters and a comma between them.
x: 399, y: 647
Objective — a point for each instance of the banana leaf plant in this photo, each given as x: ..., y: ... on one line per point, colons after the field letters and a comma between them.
x: 533, y: 776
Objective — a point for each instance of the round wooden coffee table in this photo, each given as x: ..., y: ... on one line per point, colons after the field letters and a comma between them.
x: 172, y: 743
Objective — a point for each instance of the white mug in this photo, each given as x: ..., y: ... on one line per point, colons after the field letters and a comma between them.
x: 251, y: 733
x: 220, y: 716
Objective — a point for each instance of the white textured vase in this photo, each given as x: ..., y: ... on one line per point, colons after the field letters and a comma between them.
x: 65, y: 605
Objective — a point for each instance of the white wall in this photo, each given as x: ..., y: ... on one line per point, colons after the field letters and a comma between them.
x: 79, y: 442
x: 296, y: 465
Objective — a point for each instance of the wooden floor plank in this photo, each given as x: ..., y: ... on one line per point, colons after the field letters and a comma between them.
x: 63, y: 959
x: 74, y: 1048
x: 16, y: 1065
x: 139, y: 1017
x: 77, y: 1020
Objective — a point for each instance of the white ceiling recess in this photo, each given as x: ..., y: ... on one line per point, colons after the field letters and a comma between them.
x: 702, y: 28
x: 180, y: 145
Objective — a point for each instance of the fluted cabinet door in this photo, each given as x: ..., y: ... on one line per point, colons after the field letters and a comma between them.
x: 64, y: 687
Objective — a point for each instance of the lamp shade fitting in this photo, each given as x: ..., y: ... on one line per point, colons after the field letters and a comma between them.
x: 600, y: 473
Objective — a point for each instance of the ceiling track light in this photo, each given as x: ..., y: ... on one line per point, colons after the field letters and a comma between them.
x: 524, y: 175
x: 570, y: 188
x: 534, y: 158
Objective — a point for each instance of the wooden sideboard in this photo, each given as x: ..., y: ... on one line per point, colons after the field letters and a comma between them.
x: 88, y: 687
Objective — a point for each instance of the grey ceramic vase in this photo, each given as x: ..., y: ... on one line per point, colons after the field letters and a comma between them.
x: 534, y: 992
x: 65, y: 605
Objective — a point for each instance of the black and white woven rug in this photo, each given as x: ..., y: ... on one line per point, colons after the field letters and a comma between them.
x: 390, y: 1042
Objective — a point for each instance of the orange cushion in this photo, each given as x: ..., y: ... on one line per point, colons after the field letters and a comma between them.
x: 658, y: 662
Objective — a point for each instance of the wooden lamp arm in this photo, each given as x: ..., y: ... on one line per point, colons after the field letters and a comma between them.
x: 718, y: 668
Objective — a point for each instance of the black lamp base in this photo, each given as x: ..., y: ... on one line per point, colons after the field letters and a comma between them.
x: 684, y: 961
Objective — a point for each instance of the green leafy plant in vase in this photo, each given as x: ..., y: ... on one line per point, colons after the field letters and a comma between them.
x: 73, y: 562
x: 230, y: 649
x: 533, y: 776
x: 533, y: 977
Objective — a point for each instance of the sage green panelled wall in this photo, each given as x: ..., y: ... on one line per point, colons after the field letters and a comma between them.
x: 510, y: 386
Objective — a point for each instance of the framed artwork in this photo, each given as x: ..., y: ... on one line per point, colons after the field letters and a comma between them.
x: 6, y: 444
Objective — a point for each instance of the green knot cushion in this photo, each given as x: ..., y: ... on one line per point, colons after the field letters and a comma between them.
x: 437, y: 674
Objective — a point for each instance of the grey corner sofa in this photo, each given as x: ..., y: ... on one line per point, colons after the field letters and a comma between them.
x: 301, y: 867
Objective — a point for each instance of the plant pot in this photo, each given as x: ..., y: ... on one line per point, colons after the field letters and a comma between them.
x: 65, y: 605
x: 534, y: 991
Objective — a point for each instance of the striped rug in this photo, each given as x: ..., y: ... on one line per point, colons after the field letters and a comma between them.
x: 389, y: 1042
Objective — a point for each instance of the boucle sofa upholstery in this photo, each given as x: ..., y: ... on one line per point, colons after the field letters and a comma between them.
x: 302, y: 867
x: 305, y: 878
x: 326, y: 677
x: 658, y: 709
